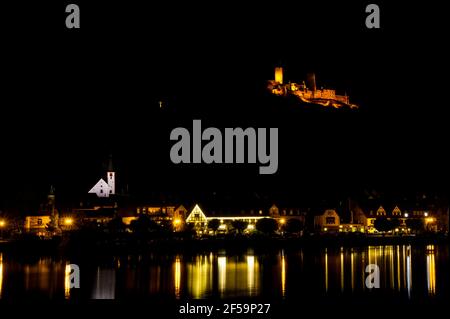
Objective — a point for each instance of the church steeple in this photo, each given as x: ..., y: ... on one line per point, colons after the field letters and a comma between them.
x: 110, y: 164
x: 111, y: 177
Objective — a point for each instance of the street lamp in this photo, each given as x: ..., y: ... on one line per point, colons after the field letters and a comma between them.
x: 176, y: 223
x: 2, y: 225
x: 68, y: 221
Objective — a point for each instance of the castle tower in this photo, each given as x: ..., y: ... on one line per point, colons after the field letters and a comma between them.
x: 279, y: 75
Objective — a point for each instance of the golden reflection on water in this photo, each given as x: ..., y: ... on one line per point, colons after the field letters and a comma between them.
x: 39, y: 276
x: 352, y: 269
x: 431, y: 270
x: 398, y: 269
x: 342, y: 270
x: 394, y: 262
x: 390, y: 255
x: 326, y: 270
x: 222, y: 269
x: 251, y: 285
x: 283, y: 274
x: 177, y: 277
x: 1, y: 275
x: 199, y: 274
x: 236, y: 275
x: 67, y: 273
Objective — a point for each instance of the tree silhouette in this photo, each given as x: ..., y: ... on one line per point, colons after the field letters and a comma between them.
x: 116, y: 226
x: 239, y: 225
x: 294, y: 225
x: 382, y: 224
x: 267, y: 225
x: 214, y: 224
x: 143, y: 225
x: 416, y: 224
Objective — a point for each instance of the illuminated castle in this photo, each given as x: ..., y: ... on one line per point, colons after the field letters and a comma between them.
x: 308, y: 92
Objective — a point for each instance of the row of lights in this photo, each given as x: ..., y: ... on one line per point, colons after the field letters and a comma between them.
x: 67, y: 221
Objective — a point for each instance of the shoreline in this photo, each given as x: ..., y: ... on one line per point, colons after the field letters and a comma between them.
x: 65, y: 246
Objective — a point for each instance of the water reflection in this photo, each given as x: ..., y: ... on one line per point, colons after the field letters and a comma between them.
x: 1, y: 274
x: 222, y: 268
x: 199, y: 275
x: 431, y: 270
x: 105, y: 284
x: 67, y: 281
x: 352, y: 269
x: 326, y: 270
x: 342, y: 270
x: 177, y: 276
x: 285, y: 273
x: 408, y: 269
x: 44, y: 276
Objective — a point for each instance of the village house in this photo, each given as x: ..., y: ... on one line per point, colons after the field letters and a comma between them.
x: 329, y: 221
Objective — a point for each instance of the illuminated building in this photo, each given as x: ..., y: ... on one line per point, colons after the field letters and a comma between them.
x: 329, y: 221
x: 200, y: 220
x: 45, y: 222
x: 405, y: 214
x: 308, y: 92
x: 37, y: 224
x: 99, y: 209
x: 105, y: 189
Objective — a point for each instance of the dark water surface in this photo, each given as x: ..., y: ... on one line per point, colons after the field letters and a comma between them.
x: 406, y: 273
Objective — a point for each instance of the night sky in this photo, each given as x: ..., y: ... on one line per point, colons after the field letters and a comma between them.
x: 70, y: 98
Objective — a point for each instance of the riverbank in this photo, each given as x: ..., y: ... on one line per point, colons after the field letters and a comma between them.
x: 132, y: 245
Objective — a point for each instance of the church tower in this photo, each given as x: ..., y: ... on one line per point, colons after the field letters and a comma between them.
x: 51, y: 208
x: 111, y: 178
x: 112, y: 182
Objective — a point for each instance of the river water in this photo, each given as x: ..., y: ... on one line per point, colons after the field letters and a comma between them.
x: 406, y: 273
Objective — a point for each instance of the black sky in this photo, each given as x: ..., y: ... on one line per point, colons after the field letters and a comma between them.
x: 71, y: 97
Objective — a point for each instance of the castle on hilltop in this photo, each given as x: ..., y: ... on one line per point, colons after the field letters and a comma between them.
x: 308, y: 92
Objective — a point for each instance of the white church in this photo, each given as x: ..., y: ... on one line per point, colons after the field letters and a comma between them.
x: 105, y: 189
